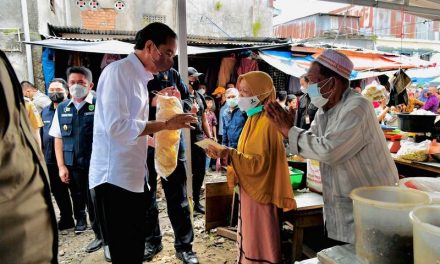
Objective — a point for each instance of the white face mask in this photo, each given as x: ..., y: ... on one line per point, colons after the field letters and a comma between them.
x: 316, y: 96
x: 246, y: 103
x: 303, y: 89
x: 78, y: 91
x: 202, y: 91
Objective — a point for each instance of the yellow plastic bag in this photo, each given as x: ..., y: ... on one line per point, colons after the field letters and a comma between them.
x: 167, y: 141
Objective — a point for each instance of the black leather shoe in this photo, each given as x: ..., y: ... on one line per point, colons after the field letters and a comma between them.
x: 199, y: 208
x: 64, y: 224
x: 151, y: 250
x: 107, y: 256
x: 81, y: 226
x: 94, y: 245
x: 188, y: 257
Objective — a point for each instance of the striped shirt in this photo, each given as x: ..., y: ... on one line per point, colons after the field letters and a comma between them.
x: 352, y: 151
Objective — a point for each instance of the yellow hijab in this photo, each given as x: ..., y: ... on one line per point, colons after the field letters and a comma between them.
x: 259, y: 164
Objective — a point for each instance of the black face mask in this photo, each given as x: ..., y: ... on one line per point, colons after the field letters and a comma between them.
x: 56, y: 97
x: 163, y: 63
x: 194, y: 84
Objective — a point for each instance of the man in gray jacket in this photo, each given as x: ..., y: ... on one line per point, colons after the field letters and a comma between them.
x: 345, y: 137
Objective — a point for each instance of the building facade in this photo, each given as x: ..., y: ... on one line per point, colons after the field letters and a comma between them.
x: 368, y: 27
x: 12, y: 33
x: 213, y: 18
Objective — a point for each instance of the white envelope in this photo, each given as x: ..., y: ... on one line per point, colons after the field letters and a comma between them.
x: 204, y: 143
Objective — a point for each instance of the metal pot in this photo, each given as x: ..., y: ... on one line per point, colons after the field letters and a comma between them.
x: 416, y: 123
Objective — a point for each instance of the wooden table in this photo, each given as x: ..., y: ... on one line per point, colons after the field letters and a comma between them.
x: 307, y: 214
x: 428, y: 167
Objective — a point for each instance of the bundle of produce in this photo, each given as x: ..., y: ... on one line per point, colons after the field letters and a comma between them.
x: 167, y: 141
x: 374, y: 92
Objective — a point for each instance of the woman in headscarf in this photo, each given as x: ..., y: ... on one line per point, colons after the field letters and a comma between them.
x: 259, y: 167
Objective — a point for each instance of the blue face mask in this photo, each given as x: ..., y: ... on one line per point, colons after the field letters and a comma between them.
x: 316, y: 96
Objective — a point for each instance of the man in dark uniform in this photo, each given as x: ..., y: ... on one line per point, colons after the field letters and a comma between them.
x: 174, y: 185
x: 197, y: 105
x: 306, y: 110
x: 58, y: 91
x: 72, y: 128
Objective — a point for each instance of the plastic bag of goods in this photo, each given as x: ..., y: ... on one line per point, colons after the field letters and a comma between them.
x: 412, y: 151
x: 167, y: 141
x: 426, y: 184
x: 314, y: 182
x: 374, y: 92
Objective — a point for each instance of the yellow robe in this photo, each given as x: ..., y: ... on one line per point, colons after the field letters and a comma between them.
x: 259, y: 164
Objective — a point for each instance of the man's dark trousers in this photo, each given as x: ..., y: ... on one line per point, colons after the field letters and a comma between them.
x: 174, y: 187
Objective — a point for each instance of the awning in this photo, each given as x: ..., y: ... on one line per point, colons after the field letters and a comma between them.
x: 107, y: 46
x: 435, y: 82
x: 370, y: 60
x: 366, y: 65
x: 368, y: 74
x: 423, y: 75
x: 285, y: 62
x: 120, y: 47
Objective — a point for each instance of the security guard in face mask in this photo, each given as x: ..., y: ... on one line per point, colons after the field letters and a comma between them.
x: 72, y: 128
x: 58, y: 91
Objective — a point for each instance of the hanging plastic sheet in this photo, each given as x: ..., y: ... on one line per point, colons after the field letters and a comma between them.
x: 48, y: 62
x: 399, y: 82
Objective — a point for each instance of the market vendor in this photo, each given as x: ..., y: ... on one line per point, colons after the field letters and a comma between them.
x: 345, y: 137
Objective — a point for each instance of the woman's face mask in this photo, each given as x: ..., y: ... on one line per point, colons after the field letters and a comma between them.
x: 316, y: 97
x: 247, y: 103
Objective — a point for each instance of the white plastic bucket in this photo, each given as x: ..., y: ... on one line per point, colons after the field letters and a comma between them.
x: 383, y: 228
x: 426, y: 232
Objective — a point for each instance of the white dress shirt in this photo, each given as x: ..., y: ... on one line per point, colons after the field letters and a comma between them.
x: 119, y: 155
x: 351, y: 148
x: 40, y: 101
x: 55, y: 129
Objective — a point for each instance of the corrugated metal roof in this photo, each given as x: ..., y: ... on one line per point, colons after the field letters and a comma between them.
x: 76, y: 33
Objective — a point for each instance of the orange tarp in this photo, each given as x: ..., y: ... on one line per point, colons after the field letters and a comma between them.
x: 363, y: 61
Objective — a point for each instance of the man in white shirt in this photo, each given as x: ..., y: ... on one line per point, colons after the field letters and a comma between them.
x: 345, y: 137
x: 118, y: 166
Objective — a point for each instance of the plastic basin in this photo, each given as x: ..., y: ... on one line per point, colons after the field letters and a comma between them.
x: 295, y: 177
x: 416, y: 123
x: 426, y: 231
x: 382, y: 225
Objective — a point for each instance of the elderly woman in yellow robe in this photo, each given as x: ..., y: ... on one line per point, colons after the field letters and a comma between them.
x: 259, y: 167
